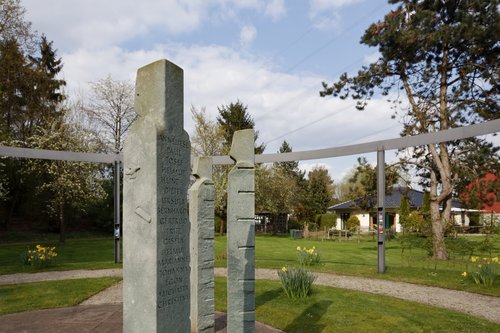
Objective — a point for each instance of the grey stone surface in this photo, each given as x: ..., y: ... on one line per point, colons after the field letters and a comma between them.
x: 241, y: 235
x: 201, y: 216
x: 156, y: 227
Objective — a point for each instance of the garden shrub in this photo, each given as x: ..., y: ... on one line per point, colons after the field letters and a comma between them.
x: 296, y: 282
x: 40, y: 256
x: 307, y: 257
x: 484, y: 271
x: 353, y: 223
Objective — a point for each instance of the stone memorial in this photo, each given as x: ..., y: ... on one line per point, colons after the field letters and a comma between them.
x: 201, y: 216
x: 241, y: 235
x: 156, y: 271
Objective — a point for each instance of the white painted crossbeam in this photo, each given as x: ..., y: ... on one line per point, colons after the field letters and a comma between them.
x: 58, y: 155
x: 459, y: 133
x: 489, y: 127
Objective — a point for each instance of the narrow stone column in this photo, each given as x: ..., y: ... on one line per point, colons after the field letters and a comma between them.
x: 156, y: 228
x: 241, y: 235
x: 201, y: 216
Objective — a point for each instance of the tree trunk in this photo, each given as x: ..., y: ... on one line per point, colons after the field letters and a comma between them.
x: 438, y: 222
x: 62, y: 223
x: 221, y: 231
x: 438, y: 230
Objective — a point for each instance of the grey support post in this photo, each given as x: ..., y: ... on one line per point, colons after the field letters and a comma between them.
x: 381, y: 209
x: 117, y: 210
x: 201, y: 216
x: 241, y: 235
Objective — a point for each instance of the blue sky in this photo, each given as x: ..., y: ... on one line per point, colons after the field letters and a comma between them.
x: 272, y: 55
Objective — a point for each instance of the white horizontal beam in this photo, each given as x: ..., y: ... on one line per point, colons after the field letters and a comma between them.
x: 459, y: 133
x: 489, y: 127
x: 58, y: 155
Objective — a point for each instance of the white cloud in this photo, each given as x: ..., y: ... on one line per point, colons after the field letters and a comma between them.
x: 284, y: 106
x: 324, y: 13
x: 275, y: 9
x: 94, y: 23
x: 97, y: 24
x: 247, y: 35
x: 317, y: 6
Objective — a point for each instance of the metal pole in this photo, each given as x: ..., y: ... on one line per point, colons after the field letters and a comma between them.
x: 116, y: 176
x: 381, y: 208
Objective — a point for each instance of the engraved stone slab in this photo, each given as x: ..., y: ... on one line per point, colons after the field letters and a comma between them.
x: 241, y: 235
x: 156, y: 228
x: 201, y: 216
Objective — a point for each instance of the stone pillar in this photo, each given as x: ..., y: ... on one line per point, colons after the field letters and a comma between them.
x: 201, y: 217
x: 241, y: 235
x: 156, y: 228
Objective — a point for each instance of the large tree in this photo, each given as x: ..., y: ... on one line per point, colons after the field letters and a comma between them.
x: 444, y: 56
x: 208, y: 137
x: 319, y: 192
x: 291, y: 170
x: 361, y: 182
x: 235, y: 117
x: 13, y: 25
x: 31, y: 95
x: 111, y: 109
x: 67, y: 185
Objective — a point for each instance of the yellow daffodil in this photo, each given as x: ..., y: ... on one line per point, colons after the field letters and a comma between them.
x: 474, y: 258
x: 283, y: 269
x: 298, y: 248
x: 464, y: 274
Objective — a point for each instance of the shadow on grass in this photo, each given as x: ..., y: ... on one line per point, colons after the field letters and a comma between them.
x: 308, y: 320
x: 268, y: 296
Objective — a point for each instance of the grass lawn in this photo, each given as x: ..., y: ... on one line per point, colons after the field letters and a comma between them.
x: 346, y: 257
x: 353, y: 258
x: 51, y: 294
x: 73, y: 254
x: 336, y: 310
x: 326, y: 310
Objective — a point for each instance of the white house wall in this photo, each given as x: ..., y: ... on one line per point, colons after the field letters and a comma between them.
x: 364, y: 221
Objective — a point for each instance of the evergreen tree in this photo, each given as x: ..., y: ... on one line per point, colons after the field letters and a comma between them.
x: 404, y: 213
x: 46, y: 96
x: 291, y: 167
x: 235, y: 117
x: 319, y: 192
x: 13, y: 90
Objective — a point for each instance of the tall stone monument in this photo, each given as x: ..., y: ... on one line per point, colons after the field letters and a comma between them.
x: 241, y: 235
x: 201, y: 216
x: 156, y: 256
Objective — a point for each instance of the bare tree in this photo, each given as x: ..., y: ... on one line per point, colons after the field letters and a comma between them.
x: 14, y: 27
x: 111, y: 108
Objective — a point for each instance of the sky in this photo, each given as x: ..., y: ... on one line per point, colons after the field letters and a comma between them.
x: 271, y: 55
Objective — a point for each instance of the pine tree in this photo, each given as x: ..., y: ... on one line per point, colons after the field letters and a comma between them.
x: 235, y: 117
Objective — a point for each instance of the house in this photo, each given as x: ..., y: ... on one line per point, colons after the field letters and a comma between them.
x: 368, y: 215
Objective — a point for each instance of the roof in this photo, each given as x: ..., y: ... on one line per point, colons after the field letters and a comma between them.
x: 392, y: 199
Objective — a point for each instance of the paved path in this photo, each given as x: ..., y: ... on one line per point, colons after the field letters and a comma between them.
x: 487, y: 307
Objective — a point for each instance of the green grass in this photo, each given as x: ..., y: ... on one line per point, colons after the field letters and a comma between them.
x: 52, y: 294
x: 73, y: 254
x: 346, y: 257
x: 360, y: 259
x: 336, y: 310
